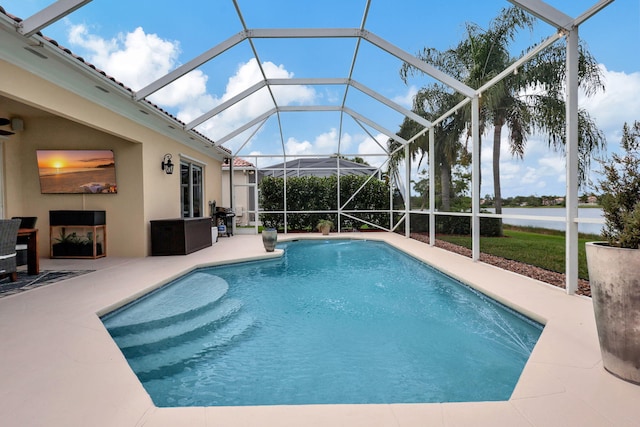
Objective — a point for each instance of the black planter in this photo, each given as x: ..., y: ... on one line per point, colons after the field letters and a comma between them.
x: 70, y: 249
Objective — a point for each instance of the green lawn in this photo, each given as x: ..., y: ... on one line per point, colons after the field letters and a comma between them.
x: 539, y: 247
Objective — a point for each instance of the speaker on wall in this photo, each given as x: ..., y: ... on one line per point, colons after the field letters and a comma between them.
x: 17, y: 124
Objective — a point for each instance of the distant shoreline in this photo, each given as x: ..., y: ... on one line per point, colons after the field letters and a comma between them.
x: 581, y: 205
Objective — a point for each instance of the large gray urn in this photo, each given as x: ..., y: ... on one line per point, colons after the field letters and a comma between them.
x: 614, y: 276
x: 269, y: 239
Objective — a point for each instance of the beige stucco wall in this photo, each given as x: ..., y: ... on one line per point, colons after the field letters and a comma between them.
x: 162, y: 191
x: 58, y: 119
x: 242, y: 194
x: 23, y: 187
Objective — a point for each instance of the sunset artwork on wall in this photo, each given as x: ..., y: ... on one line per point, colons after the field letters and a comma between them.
x: 77, y: 171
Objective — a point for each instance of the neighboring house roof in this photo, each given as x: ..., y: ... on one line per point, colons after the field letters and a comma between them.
x: 322, y: 166
x: 239, y: 163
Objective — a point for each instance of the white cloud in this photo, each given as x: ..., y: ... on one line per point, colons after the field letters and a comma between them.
x: 371, y: 146
x: 553, y: 166
x: 295, y: 148
x: 327, y: 142
x: 137, y: 59
x: 256, y: 104
x: 406, y: 100
x: 323, y: 144
x: 530, y: 176
x: 619, y: 103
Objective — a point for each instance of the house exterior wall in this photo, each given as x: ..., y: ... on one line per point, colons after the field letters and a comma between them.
x: 242, y: 194
x: 55, y: 118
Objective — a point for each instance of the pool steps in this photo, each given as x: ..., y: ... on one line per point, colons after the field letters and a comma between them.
x: 133, y: 343
x: 160, y: 333
x: 163, y: 362
x: 194, y: 292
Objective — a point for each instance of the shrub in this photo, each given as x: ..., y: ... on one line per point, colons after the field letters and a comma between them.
x: 621, y: 192
x: 320, y: 194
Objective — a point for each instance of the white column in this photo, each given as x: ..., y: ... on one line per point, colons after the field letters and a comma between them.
x: 232, y: 195
x: 338, y: 192
x: 407, y: 201
x: 256, y: 196
x: 284, y: 208
x: 432, y: 186
x: 475, y: 179
x: 571, y: 237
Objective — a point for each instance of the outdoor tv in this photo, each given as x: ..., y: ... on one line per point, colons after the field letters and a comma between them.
x: 77, y: 171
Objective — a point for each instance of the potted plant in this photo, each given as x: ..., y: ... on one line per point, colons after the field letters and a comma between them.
x: 73, y: 245
x: 324, y: 226
x: 614, y: 265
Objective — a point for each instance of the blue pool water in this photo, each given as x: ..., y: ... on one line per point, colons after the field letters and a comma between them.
x: 338, y: 321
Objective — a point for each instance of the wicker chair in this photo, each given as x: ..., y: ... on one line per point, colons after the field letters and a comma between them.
x: 8, y: 237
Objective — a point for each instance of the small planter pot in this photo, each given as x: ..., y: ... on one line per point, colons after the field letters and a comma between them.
x: 614, y: 277
x: 269, y: 239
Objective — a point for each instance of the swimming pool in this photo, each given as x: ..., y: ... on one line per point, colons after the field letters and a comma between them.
x: 339, y: 321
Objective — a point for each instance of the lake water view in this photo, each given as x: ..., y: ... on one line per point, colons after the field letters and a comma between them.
x: 587, y: 213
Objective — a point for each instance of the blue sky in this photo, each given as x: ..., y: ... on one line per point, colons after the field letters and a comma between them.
x: 139, y: 41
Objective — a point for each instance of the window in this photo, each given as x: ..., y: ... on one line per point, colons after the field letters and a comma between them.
x: 192, y: 189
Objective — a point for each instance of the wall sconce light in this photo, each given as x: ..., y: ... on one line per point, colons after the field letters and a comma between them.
x: 167, y: 164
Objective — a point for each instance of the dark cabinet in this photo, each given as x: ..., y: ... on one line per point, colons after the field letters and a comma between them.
x: 180, y: 236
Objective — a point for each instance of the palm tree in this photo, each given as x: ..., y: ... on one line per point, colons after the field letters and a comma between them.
x: 512, y: 102
x: 431, y: 102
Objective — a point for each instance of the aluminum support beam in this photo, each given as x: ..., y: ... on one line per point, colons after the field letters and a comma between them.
x: 546, y: 12
x: 302, y: 33
x: 309, y: 81
x: 48, y: 16
x: 369, y: 178
x: 591, y: 11
x: 432, y: 186
x: 338, y: 190
x: 571, y: 236
x: 189, y: 66
x: 228, y: 103
x: 407, y: 199
x: 419, y: 64
x: 373, y: 138
x: 389, y: 103
x: 475, y: 179
x: 319, y: 81
x: 514, y: 67
x: 246, y: 141
x: 302, y: 108
x: 362, y: 88
x: 371, y: 38
x: 232, y: 194
x: 246, y: 126
x: 374, y: 125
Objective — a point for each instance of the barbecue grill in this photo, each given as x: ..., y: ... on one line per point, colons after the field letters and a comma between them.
x: 224, y: 216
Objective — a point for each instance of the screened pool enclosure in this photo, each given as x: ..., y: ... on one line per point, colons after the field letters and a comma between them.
x: 351, y: 102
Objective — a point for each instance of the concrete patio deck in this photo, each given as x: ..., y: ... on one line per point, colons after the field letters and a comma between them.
x: 59, y: 366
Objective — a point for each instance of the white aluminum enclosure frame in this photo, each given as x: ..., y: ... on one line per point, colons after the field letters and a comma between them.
x: 565, y: 25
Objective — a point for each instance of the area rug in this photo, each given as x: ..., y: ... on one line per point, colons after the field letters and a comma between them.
x: 26, y: 282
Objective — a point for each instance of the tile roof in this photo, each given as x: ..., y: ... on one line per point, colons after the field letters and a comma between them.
x: 239, y: 163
